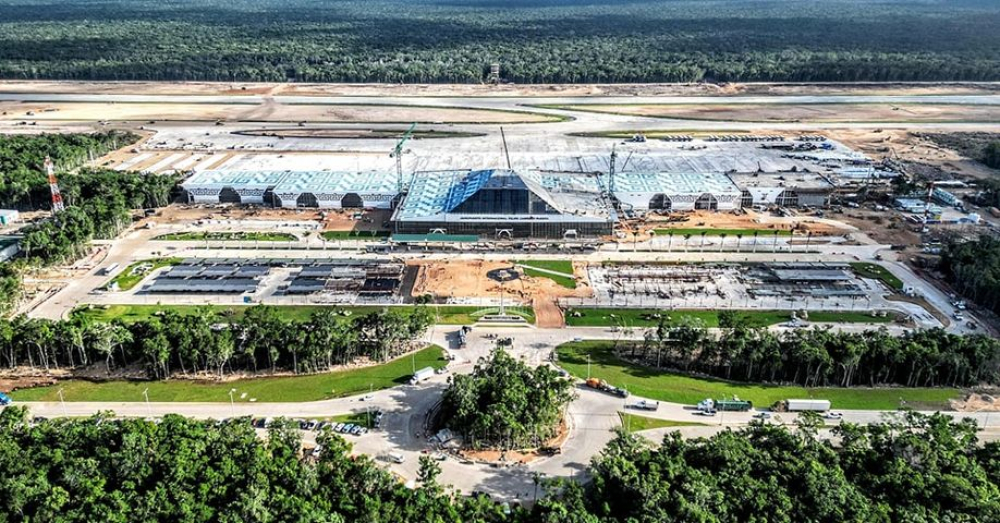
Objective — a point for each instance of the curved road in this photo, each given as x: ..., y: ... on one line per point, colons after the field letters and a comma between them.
x: 592, y: 417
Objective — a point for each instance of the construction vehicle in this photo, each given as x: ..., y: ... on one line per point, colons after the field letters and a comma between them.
x: 603, y: 386
x: 725, y: 405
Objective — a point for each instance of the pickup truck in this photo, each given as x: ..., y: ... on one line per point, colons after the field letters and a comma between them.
x: 646, y: 405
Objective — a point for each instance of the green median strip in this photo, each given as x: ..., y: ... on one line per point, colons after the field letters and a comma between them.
x: 609, y: 317
x: 314, y: 387
x: 133, y: 274
x: 241, y: 236
x: 444, y: 314
x: 546, y: 268
x: 875, y: 271
x: 354, y: 235
x: 634, y: 423
x: 659, y: 385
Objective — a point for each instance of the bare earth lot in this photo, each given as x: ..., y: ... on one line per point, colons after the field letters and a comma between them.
x: 819, y: 113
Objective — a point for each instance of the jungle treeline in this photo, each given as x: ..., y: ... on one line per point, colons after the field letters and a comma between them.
x: 534, y: 41
x: 907, y: 469
x: 821, y: 357
x: 172, y: 343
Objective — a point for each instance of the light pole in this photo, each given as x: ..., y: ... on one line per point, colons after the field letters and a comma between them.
x: 149, y: 410
x: 588, y: 366
x: 62, y: 400
x: 232, y: 401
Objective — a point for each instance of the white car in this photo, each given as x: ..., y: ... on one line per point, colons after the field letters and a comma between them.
x: 833, y: 415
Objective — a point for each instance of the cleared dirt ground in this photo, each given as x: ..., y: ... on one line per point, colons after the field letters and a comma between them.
x: 912, y: 148
x: 819, y: 113
x: 265, y: 112
x: 748, y: 219
x: 699, y: 89
x: 468, y: 279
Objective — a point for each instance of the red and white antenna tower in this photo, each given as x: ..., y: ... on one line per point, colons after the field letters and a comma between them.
x: 57, y: 201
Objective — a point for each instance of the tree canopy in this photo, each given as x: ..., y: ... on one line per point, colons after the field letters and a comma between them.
x: 505, y: 404
x: 173, y: 343
x: 906, y: 469
x: 534, y: 41
x: 973, y: 268
x: 821, y: 357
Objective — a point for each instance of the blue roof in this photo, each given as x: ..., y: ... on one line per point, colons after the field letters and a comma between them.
x: 439, y: 192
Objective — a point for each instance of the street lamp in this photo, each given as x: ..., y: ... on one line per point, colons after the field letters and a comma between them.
x: 232, y: 401
x: 62, y: 400
x: 149, y: 410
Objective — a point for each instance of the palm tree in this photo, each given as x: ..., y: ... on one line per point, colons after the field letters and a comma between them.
x: 702, y: 246
x: 739, y: 240
x: 722, y: 240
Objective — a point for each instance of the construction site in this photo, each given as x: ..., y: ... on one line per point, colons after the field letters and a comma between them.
x: 329, y: 199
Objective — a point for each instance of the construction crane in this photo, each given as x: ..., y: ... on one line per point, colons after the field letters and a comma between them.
x: 57, y: 201
x: 397, y: 153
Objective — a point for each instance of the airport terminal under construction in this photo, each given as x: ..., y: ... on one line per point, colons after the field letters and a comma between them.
x: 559, y: 196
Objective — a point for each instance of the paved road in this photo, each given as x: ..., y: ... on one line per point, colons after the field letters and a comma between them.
x: 592, y: 416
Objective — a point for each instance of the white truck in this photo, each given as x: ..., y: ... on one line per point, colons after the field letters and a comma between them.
x: 807, y: 405
x: 422, y: 375
x: 110, y: 269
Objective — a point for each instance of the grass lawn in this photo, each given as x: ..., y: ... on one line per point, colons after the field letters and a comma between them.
x: 241, y: 236
x: 665, y: 386
x: 126, y: 279
x: 635, y: 423
x: 875, y: 271
x: 354, y: 235
x: 562, y: 266
x: 602, y: 317
x: 696, y: 232
x: 447, y: 315
x: 314, y: 387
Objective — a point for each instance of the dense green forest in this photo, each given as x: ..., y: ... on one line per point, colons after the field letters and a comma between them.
x: 916, y: 468
x: 211, y: 342
x: 534, y: 40
x: 506, y: 404
x: 23, y: 182
x: 99, y: 201
x: 973, y: 268
x: 821, y: 357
